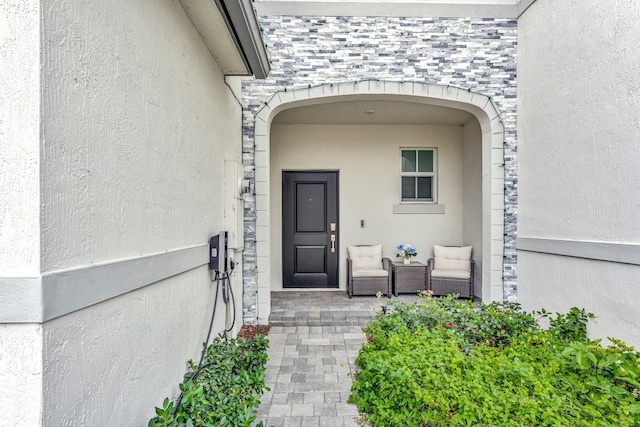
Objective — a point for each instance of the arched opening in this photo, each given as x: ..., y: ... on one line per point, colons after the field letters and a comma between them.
x: 360, y: 130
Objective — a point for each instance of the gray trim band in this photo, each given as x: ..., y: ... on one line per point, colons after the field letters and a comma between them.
x: 624, y: 253
x: 408, y: 9
x: 37, y: 300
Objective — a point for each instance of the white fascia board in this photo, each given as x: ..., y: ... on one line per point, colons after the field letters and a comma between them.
x: 245, y: 25
x: 505, y: 9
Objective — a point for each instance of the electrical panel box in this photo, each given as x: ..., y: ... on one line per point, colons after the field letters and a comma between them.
x: 234, y: 188
x: 218, y: 252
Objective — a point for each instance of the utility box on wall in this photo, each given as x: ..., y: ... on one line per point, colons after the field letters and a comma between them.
x: 234, y: 203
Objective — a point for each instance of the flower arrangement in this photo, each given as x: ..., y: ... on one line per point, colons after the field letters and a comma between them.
x: 406, y: 251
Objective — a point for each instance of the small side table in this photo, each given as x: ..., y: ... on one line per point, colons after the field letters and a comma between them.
x: 409, y: 278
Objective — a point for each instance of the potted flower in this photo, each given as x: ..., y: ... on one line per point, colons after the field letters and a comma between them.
x: 406, y: 251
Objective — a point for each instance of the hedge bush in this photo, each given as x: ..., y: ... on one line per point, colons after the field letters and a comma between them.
x: 226, y: 390
x: 443, y: 362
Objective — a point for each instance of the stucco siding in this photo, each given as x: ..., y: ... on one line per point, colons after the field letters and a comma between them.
x: 579, y: 120
x: 21, y: 375
x: 20, y: 344
x: 113, y: 363
x: 609, y: 290
x: 19, y: 138
x: 137, y: 125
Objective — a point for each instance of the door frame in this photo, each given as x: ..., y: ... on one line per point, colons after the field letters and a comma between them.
x: 337, y: 233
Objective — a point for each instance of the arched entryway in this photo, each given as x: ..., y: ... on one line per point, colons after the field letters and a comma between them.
x: 480, y: 155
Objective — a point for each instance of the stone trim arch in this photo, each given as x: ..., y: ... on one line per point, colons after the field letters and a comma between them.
x: 493, y: 179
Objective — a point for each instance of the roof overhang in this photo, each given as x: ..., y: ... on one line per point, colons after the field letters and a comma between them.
x: 230, y: 30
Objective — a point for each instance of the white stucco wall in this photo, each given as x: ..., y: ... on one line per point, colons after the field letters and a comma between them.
x: 21, y: 375
x: 19, y: 138
x: 113, y: 363
x: 472, y: 195
x: 368, y: 159
x: 609, y: 290
x: 578, y: 126
x: 20, y: 344
x: 137, y: 124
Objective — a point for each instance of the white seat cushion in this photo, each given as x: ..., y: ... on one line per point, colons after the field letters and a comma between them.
x: 366, y: 257
x: 451, y: 274
x: 452, y: 258
x: 370, y: 272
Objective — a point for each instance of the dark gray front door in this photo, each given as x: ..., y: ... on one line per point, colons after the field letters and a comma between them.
x: 310, y: 229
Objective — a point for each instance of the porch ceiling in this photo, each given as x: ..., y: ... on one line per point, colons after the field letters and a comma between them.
x: 383, y: 112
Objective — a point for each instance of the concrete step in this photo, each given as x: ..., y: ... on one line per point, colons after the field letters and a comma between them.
x: 325, y: 308
x: 321, y: 318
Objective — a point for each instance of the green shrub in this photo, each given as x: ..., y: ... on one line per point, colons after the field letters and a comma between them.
x: 226, y: 389
x: 442, y: 362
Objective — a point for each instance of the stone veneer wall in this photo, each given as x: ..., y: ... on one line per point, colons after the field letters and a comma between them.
x: 474, y: 53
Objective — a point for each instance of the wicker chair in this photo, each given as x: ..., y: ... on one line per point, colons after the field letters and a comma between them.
x: 367, y: 272
x: 451, y: 271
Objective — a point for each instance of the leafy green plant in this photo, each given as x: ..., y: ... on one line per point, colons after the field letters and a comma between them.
x: 442, y: 362
x: 568, y: 327
x: 493, y: 324
x: 225, y: 389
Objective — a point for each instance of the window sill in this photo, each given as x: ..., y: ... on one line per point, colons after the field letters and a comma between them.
x: 418, y: 208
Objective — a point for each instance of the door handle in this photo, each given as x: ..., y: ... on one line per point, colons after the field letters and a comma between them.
x: 333, y: 243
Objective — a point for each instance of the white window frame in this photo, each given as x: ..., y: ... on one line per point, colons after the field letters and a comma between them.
x: 433, y: 175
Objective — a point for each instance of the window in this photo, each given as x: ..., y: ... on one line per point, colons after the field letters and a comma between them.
x: 419, y: 175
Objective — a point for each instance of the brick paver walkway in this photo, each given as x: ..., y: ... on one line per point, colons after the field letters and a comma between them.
x: 313, y: 343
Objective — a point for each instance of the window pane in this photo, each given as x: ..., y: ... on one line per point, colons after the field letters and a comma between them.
x: 408, y: 160
x: 425, y: 161
x: 408, y: 188
x: 425, y: 188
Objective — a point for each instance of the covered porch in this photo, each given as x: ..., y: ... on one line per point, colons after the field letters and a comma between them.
x: 361, y: 133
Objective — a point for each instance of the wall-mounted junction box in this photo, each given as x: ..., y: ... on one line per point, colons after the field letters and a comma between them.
x: 234, y: 187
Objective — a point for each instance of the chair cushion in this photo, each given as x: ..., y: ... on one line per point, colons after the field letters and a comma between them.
x: 452, y: 258
x: 365, y: 257
x: 451, y: 274
x: 370, y: 272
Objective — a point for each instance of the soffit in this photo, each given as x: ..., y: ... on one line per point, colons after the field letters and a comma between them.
x: 385, y: 112
x: 230, y: 30
x: 212, y: 28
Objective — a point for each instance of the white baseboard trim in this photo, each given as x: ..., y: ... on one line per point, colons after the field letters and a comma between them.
x: 54, y: 294
x: 624, y: 253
